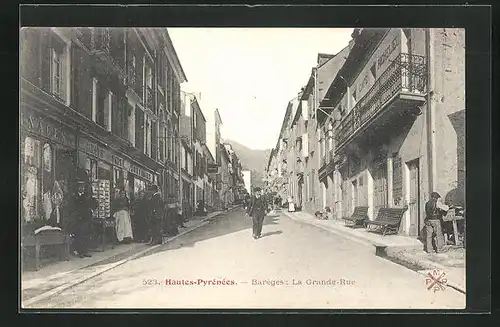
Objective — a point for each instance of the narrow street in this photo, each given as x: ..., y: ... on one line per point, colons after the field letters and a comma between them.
x: 289, y: 253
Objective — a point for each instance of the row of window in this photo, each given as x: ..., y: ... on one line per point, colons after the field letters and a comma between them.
x: 66, y: 69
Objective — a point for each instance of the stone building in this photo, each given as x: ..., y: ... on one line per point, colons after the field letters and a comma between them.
x: 101, y: 104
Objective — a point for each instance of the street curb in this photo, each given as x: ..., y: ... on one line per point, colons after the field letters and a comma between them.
x: 76, y: 282
x: 399, y: 262
x: 427, y: 265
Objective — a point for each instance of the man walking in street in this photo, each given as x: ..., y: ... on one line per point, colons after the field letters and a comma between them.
x: 434, y: 211
x: 155, y: 216
x: 257, y: 210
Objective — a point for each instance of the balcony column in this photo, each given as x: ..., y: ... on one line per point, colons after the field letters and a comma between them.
x: 94, y: 99
x: 109, y: 119
x: 369, y: 185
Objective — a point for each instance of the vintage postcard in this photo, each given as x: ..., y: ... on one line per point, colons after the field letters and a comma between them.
x: 235, y: 168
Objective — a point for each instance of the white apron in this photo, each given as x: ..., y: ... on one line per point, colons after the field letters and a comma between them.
x: 123, y: 225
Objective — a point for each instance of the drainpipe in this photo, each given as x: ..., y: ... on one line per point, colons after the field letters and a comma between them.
x: 431, y: 109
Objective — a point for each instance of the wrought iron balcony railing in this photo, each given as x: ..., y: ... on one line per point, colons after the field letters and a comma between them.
x: 407, y: 73
x: 149, y: 97
x: 101, y: 41
x: 109, y: 47
x: 131, y: 76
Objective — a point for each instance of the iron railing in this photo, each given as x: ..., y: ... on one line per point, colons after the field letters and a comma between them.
x: 131, y: 76
x: 110, y: 47
x: 326, y: 161
x: 149, y: 97
x: 407, y: 73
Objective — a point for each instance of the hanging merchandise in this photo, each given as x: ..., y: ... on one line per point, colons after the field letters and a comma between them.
x: 47, y: 204
x: 57, y: 198
x: 101, y: 189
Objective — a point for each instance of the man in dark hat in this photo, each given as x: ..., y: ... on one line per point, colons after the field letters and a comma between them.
x: 257, y: 210
x: 82, y: 205
x: 434, y: 211
x: 155, y: 216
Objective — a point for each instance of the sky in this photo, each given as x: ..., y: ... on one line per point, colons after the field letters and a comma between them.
x: 250, y: 74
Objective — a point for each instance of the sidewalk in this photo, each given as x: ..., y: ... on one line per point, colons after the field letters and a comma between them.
x: 59, y: 276
x: 360, y: 235
x: 402, y: 250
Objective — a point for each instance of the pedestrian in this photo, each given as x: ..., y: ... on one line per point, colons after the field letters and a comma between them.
x: 257, y: 210
x: 291, y: 205
x: 140, y: 218
x: 170, y: 227
x: 82, y: 205
x: 156, y: 211
x: 121, y: 213
x: 434, y: 211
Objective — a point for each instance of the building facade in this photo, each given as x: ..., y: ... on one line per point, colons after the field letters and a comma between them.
x: 390, y: 126
x: 101, y: 104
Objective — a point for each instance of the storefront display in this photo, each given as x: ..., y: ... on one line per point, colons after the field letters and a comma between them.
x: 43, y: 144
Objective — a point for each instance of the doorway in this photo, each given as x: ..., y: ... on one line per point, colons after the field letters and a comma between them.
x: 379, y: 172
x: 414, y: 203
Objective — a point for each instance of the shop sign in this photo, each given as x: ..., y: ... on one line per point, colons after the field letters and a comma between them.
x: 387, y: 52
x: 43, y: 127
x: 94, y: 150
x: 138, y: 171
x: 117, y: 161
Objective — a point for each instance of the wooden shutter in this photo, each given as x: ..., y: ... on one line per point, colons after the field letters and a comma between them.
x: 30, y: 54
x: 397, y: 179
x: 45, y: 53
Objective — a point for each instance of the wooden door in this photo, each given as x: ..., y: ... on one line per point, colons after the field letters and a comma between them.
x: 414, y: 203
x: 354, y: 202
x: 379, y: 187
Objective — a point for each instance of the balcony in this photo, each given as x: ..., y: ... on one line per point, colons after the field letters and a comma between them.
x: 131, y: 80
x: 149, y: 97
x: 327, y: 163
x: 399, y: 89
x: 109, y: 50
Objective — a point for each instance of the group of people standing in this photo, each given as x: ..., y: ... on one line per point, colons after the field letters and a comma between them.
x: 151, y: 217
x: 147, y: 219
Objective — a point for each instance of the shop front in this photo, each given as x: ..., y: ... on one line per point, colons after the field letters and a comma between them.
x: 109, y: 172
x: 48, y: 157
x: 47, y: 172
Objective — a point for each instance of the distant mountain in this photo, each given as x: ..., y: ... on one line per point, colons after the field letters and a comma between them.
x: 253, y: 160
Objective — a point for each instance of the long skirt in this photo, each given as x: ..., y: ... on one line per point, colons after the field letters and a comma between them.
x: 123, y: 225
x: 291, y: 207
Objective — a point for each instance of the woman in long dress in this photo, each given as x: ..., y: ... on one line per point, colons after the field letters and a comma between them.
x: 121, y: 214
x: 291, y: 205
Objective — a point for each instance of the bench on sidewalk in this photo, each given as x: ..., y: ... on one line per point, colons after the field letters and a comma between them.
x: 387, y: 221
x: 44, y: 238
x: 358, y: 217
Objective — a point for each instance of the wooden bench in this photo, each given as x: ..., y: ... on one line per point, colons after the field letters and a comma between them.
x: 47, y: 237
x: 387, y: 220
x: 358, y: 217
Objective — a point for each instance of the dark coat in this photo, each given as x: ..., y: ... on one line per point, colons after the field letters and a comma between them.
x: 258, y: 206
x: 156, y: 207
x: 432, y: 211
